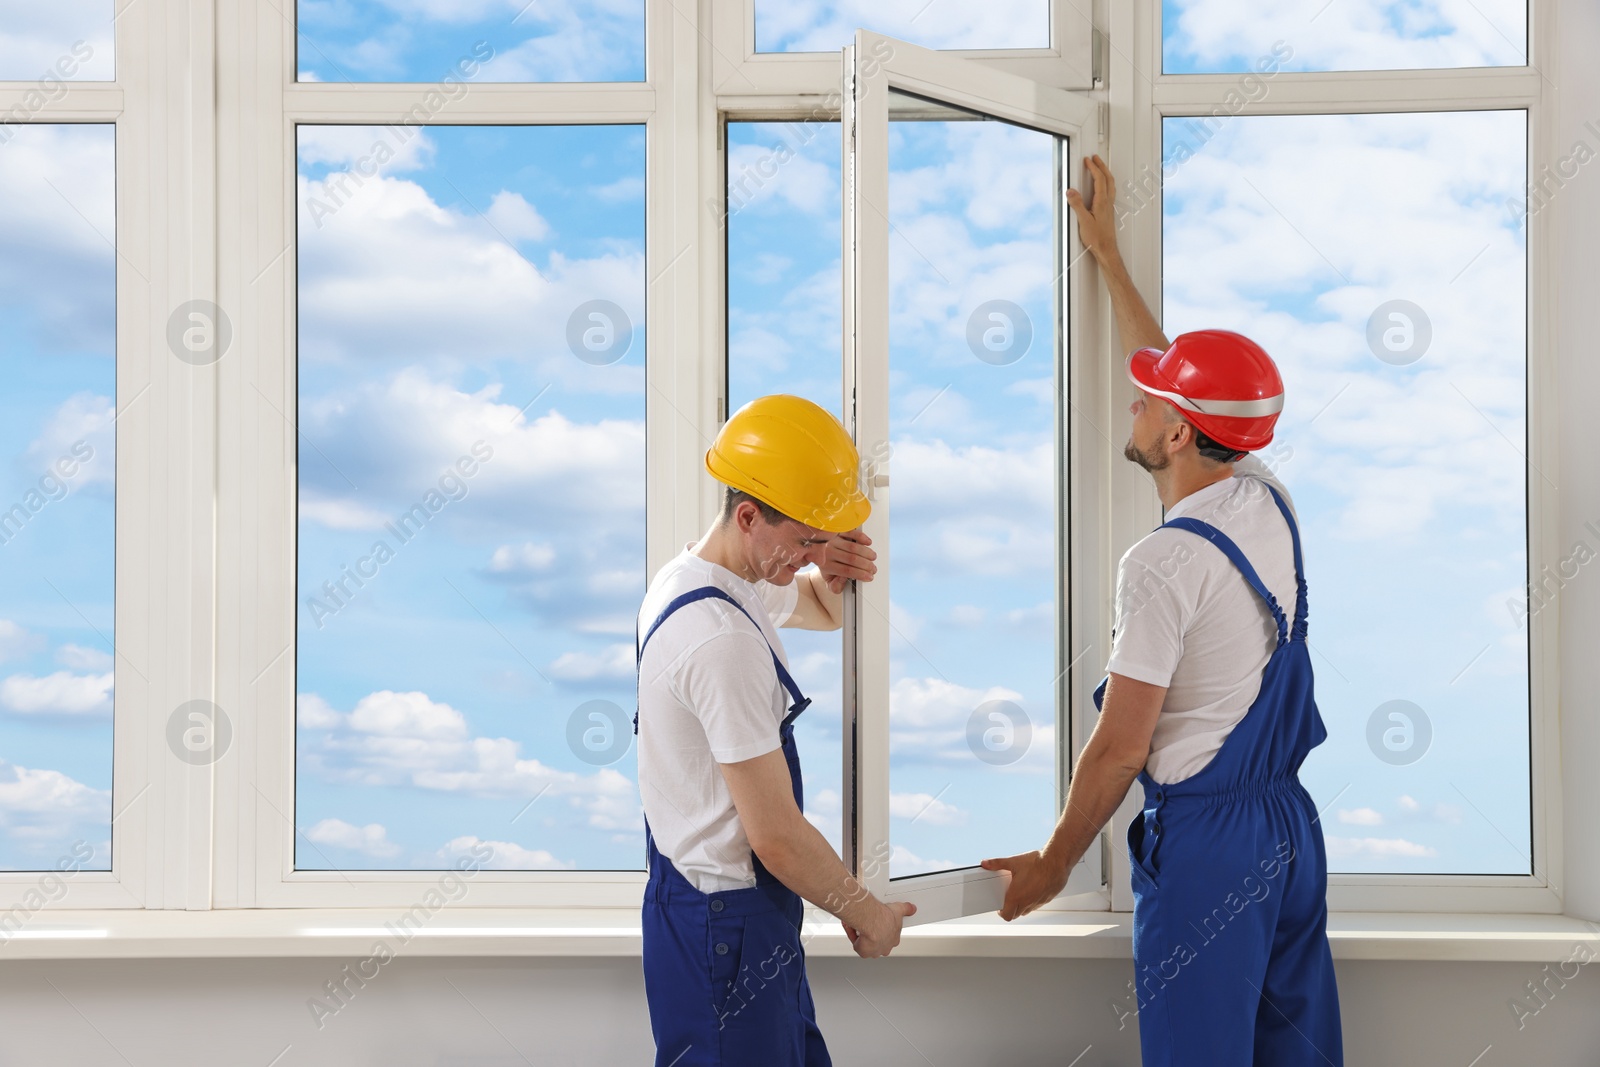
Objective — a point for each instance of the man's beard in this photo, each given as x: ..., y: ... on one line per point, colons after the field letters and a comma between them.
x: 1156, y: 460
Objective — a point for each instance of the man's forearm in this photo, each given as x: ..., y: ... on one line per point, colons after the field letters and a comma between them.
x: 807, y: 864
x: 830, y: 603
x: 1098, y: 786
x: 1136, y: 326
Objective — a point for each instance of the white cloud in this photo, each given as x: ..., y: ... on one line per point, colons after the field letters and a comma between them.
x: 406, y: 715
x: 42, y: 811
x: 821, y: 26
x: 314, y: 713
x: 61, y: 693
x: 1376, y: 848
x: 934, y: 702
x: 767, y: 267
x: 903, y: 862
x: 394, y: 438
x: 409, y: 740
x: 1258, y: 225
x: 34, y: 791
x: 904, y: 626
x: 57, y: 219
x: 77, y: 437
x: 775, y: 176
x: 382, y: 149
x: 925, y: 808
x: 1351, y: 35
x: 369, y: 840
x: 337, y: 514
x: 621, y: 190
x: 526, y: 557
x: 975, y: 509
x: 571, y: 564
x: 515, y: 219
x: 391, y: 275
x: 1361, y: 817
x: 79, y: 658
x: 69, y: 40
x: 966, y: 615
x: 1413, y: 810
x: 827, y: 802
x: 615, y: 663
x: 928, y: 724
x: 823, y: 810
x: 508, y: 856
x: 16, y: 642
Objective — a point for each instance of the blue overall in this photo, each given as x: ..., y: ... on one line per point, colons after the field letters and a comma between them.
x: 1230, y: 947
x: 725, y: 973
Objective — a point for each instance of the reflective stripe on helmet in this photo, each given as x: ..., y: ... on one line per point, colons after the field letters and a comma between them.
x: 1237, y: 409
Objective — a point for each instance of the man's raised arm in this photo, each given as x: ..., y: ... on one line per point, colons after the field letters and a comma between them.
x: 1097, y: 229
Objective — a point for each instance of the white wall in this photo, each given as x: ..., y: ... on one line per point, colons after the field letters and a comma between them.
x: 506, y: 1013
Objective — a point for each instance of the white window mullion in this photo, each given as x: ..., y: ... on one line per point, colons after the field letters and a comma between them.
x: 166, y: 453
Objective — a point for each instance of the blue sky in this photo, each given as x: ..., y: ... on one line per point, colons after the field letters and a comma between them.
x: 1408, y: 479
x: 783, y: 26
x: 69, y: 40
x: 56, y: 536
x: 435, y: 299
x: 421, y: 40
x: 971, y: 569
x: 1230, y: 36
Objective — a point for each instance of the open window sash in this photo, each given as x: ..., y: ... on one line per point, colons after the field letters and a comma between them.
x: 888, y: 82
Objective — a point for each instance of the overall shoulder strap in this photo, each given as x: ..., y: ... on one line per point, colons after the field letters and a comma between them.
x: 1237, y: 557
x: 1299, y: 570
x: 709, y: 592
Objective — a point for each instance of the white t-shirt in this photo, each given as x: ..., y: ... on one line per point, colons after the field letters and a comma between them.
x: 708, y: 694
x: 1187, y: 619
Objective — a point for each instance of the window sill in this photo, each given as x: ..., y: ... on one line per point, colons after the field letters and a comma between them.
x: 487, y: 932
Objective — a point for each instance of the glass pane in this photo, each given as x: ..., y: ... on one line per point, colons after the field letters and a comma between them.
x: 1399, y: 324
x: 973, y: 505
x: 827, y: 26
x: 471, y: 502
x: 1266, y: 36
x: 54, y: 43
x: 784, y: 337
x: 58, y: 366
x: 452, y: 44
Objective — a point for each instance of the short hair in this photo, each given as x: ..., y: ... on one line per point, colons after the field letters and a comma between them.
x: 1210, y: 449
x: 732, y: 498
x: 1213, y: 451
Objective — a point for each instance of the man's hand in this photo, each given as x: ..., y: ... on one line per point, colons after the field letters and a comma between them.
x: 845, y: 557
x: 1097, y: 220
x: 1097, y: 229
x: 1035, y: 881
x: 885, y: 934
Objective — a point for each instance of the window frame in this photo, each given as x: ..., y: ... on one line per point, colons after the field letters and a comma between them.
x: 1139, y: 104
x: 205, y: 102
x: 1071, y: 61
x: 260, y: 104
x: 165, y: 463
x: 1073, y: 120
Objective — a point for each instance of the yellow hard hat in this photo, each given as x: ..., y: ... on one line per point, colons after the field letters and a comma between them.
x: 791, y: 454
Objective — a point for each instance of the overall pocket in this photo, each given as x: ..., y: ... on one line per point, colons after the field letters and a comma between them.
x: 1141, y: 849
x: 764, y: 981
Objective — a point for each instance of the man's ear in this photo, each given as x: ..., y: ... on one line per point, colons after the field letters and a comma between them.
x: 1175, y: 436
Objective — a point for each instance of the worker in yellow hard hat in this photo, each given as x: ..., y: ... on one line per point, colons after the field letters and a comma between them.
x: 731, y: 853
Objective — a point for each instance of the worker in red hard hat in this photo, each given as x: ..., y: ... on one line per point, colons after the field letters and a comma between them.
x: 1208, y: 702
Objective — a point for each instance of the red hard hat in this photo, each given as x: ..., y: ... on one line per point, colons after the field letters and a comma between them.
x: 1221, y: 381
